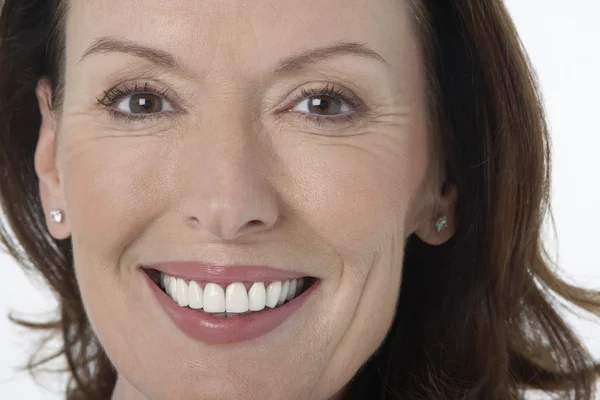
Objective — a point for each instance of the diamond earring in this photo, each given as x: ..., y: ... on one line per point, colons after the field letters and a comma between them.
x: 56, y: 216
x: 441, y: 223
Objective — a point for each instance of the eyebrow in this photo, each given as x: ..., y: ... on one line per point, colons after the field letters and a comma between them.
x: 299, y: 61
x: 289, y: 64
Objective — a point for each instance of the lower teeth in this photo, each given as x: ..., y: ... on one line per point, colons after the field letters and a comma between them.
x: 229, y: 315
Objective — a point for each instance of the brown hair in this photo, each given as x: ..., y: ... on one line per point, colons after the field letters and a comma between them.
x: 475, y: 317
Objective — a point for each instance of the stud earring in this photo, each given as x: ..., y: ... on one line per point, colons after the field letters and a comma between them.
x: 56, y: 216
x: 441, y: 223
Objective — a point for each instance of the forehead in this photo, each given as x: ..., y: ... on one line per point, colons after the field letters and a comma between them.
x: 242, y: 33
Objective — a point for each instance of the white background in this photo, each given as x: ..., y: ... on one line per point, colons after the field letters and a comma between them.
x: 563, y: 40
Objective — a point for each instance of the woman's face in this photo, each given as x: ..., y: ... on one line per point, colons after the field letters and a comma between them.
x: 192, y: 135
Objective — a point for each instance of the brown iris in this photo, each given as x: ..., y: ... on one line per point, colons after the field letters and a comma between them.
x: 145, y: 103
x: 324, y: 104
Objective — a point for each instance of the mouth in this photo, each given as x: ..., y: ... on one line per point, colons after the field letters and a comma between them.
x: 233, y: 299
x: 218, y: 312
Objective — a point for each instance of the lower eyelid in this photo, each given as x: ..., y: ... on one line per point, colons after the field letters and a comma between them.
x: 135, y: 118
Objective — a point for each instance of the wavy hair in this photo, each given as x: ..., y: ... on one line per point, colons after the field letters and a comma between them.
x: 476, y: 317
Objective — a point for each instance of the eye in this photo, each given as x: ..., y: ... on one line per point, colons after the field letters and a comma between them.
x: 143, y: 103
x: 323, y: 105
x: 327, y: 105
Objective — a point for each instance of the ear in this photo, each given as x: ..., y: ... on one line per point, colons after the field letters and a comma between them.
x: 443, y: 206
x: 45, y: 163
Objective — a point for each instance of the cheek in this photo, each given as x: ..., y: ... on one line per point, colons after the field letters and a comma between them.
x: 357, y: 196
x: 366, y: 198
x: 111, y: 186
x: 114, y: 186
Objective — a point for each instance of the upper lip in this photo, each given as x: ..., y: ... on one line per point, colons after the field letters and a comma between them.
x: 223, y: 273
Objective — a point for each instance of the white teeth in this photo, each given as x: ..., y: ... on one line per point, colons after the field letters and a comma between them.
x: 173, y: 288
x: 273, y: 292
x: 257, y: 297
x: 292, y: 291
x: 166, y: 283
x: 196, y: 295
x: 236, y: 298
x: 284, y: 291
x: 214, y: 298
x: 182, y: 293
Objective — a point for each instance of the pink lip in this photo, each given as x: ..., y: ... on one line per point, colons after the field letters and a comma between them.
x: 202, y: 326
x: 224, y: 274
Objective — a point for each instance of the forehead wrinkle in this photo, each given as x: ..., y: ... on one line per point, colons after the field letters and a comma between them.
x: 247, y: 28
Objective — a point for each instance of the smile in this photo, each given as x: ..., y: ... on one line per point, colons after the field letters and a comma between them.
x: 214, y: 308
x: 235, y: 298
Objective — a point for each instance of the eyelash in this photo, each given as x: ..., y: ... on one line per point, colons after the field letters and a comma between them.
x: 114, y: 95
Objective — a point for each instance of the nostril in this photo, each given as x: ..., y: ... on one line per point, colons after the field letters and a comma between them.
x: 193, y: 222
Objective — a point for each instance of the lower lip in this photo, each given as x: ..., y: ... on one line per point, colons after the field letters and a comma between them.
x: 201, y: 326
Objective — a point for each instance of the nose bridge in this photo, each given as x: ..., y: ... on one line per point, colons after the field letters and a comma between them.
x: 226, y: 187
x: 226, y: 139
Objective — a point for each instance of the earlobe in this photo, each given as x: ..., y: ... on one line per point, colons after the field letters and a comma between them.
x: 441, y: 223
x: 45, y: 161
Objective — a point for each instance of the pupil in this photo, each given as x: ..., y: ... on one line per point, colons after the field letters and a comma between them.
x: 145, y: 103
x: 322, y: 104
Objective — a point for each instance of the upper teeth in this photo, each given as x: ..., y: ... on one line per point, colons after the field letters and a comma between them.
x: 234, y: 299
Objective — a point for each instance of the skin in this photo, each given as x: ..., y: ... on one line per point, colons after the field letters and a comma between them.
x: 335, y: 201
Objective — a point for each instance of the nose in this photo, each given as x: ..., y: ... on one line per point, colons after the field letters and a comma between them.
x: 227, y: 191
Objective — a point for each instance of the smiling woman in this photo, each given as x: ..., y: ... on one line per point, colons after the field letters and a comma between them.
x: 256, y: 200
